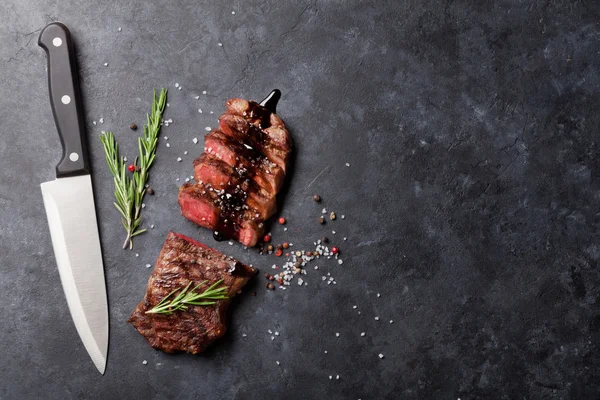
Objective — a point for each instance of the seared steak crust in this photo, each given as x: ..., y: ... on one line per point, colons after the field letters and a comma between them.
x: 183, y: 260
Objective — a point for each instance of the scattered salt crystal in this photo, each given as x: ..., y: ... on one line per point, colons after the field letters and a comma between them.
x: 233, y: 12
x: 168, y: 105
x: 340, y: 261
x: 137, y: 254
x: 333, y: 232
x: 363, y: 333
x: 244, y: 335
x: 355, y: 307
x: 330, y: 377
x: 343, y: 216
x: 195, y: 140
x: 325, y: 351
x: 220, y: 44
x: 185, y: 152
x: 166, y: 138
x: 143, y: 205
x: 125, y: 159
x: 144, y: 362
x: 230, y: 243
x: 204, y: 92
x: 179, y: 87
x: 347, y: 164
x: 168, y: 145
x: 284, y: 229
x: 270, y: 331
x: 178, y: 159
x: 272, y: 337
x: 212, y: 112
x: 337, y: 377
x: 376, y: 318
x: 200, y: 110
x: 345, y: 239
x: 148, y: 265
x: 380, y: 355
x: 176, y: 84
x: 316, y: 267
x: 378, y: 295
x: 276, y: 333
x: 391, y: 321
x: 277, y: 362
x: 337, y: 334
x: 187, y: 179
x: 324, y: 211
x: 207, y: 129
x: 94, y: 122
x: 106, y: 64
x: 152, y: 226
x: 119, y: 29
x: 300, y: 281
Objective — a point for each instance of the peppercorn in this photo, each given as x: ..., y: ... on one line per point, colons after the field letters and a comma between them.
x: 286, y: 245
x: 309, y: 254
x: 298, y: 253
x: 280, y: 281
x: 335, y: 250
x: 137, y: 168
x: 298, y: 270
x: 150, y: 191
x: 278, y: 253
x: 133, y: 127
x: 332, y: 216
x: 317, y: 198
x: 281, y: 221
x: 270, y: 247
x: 271, y: 286
x: 267, y: 284
x: 325, y: 239
x: 321, y: 220
x: 271, y: 278
x: 131, y: 168
x: 267, y: 238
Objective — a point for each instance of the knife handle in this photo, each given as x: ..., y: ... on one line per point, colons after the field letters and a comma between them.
x: 65, y: 99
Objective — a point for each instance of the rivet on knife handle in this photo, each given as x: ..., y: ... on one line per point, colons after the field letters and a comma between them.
x: 65, y: 99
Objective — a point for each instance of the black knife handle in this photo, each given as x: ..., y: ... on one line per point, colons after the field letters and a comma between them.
x: 270, y: 102
x: 65, y: 99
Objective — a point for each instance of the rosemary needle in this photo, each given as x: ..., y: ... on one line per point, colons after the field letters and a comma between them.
x: 190, y: 297
x: 130, y: 191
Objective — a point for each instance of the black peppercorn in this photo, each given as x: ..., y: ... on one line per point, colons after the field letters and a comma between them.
x: 133, y: 127
x: 317, y: 198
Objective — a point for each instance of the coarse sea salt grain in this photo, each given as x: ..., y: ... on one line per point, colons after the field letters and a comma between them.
x: 347, y: 164
x: 168, y: 145
x: 277, y: 362
x: 119, y: 29
x: 148, y: 265
x: 391, y: 321
x: 176, y: 84
x: 207, y: 129
x: 185, y: 152
x: 355, y: 307
x: 106, y: 64
x: 204, y: 92
x: 337, y: 334
x: 195, y: 140
x: 376, y: 318
x: 381, y: 355
x: 178, y: 159
x: 144, y: 362
x: 363, y: 333
x: 220, y: 44
x: 137, y: 254
x: 200, y: 110
x: 378, y: 295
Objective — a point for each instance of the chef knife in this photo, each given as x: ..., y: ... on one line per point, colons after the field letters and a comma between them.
x: 69, y: 201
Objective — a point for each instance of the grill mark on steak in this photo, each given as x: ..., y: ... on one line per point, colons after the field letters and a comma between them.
x: 183, y: 260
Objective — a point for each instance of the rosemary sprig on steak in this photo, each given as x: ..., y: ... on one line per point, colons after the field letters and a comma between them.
x: 130, y: 191
x: 190, y: 297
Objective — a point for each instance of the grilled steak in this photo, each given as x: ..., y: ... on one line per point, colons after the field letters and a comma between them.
x: 183, y: 260
x: 238, y: 176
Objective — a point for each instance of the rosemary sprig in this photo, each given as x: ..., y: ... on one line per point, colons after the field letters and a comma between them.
x: 130, y: 191
x: 190, y: 297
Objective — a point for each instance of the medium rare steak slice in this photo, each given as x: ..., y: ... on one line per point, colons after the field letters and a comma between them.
x: 241, y: 130
x: 267, y: 174
x: 183, y: 260
x: 215, y: 209
x: 208, y: 169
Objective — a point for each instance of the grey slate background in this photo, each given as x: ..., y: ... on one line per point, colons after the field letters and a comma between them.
x: 471, y: 200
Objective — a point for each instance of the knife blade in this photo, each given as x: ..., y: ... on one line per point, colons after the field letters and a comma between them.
x: 69, y: 201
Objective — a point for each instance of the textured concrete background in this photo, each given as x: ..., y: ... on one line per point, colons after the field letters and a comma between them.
x: 471, y: 200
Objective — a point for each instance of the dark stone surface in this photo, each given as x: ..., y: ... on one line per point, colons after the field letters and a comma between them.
x: 471, y: 200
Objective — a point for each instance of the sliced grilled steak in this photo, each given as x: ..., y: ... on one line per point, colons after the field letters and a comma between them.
x: 243, y: 166
x: 183, y: 260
